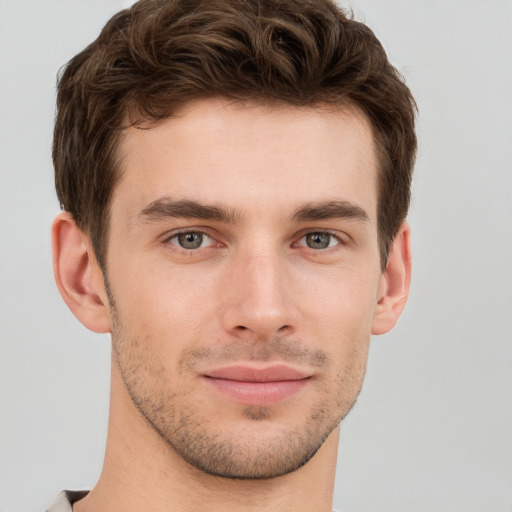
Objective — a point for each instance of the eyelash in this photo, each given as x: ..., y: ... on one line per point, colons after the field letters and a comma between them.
x: 332, y: 237
x: 176, y: 236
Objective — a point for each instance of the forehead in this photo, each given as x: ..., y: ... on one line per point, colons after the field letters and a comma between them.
x: 216, y: 151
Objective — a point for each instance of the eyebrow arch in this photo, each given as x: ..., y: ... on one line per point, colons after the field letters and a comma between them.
x: 330, y: 210
x: 187, y: 209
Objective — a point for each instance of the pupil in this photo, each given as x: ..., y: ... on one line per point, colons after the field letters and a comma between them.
x: 318, y: 240
x: 190, y: 240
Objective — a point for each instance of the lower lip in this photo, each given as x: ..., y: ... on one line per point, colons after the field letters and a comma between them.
x: 257, y: 393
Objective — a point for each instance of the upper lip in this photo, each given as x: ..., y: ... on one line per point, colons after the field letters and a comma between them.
x: 247, y: 373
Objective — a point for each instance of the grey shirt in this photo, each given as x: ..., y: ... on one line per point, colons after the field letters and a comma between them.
x: 65, y: 500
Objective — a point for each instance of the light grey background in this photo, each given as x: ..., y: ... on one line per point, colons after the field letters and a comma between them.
x: 432, y: 430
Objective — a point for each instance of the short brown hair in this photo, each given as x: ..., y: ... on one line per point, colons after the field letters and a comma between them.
x: 158, y: 55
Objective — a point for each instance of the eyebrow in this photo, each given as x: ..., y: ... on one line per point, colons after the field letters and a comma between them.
x: 330, y: 210
x: 186, y: 209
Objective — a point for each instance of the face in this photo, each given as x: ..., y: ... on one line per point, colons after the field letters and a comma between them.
x: 244, y: 273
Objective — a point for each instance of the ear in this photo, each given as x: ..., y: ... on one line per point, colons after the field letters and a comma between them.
x: 78, y: 275
x: 395, y: 282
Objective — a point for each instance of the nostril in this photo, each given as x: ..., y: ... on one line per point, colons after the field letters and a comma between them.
x: 283, y: 328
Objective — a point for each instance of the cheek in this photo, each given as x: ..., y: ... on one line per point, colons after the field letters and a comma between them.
x: 347, y: 299
x: 167, y: 307
x: 340, y: 316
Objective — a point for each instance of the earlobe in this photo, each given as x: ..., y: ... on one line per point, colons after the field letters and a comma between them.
x: 395, y: 282
x: 77, y: 274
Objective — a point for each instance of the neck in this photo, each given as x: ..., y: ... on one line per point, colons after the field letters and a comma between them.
x: 142, y: 472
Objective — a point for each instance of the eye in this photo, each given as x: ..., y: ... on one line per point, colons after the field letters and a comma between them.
x: 319, y: 240
x: 191, y: 240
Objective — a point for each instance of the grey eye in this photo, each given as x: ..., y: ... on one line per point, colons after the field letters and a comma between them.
x: 319, y: 240
x: 192, y: 240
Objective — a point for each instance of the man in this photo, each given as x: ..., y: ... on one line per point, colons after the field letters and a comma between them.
x: 235, y: 178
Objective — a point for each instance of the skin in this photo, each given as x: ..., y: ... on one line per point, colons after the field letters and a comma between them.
x: 217, y: 256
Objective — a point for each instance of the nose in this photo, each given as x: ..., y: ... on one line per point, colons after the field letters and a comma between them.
x: 258, y: 298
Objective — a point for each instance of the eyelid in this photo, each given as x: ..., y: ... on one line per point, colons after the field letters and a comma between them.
x: 183, y: 231
x: 343, y: 238
x: 170, y: 237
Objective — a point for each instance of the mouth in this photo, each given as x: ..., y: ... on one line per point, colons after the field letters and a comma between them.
x: 250, y: 385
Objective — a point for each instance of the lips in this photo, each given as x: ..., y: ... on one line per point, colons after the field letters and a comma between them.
x: 257, y: 386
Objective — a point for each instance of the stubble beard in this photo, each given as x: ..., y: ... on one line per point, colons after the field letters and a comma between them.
x: 195, y: 437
